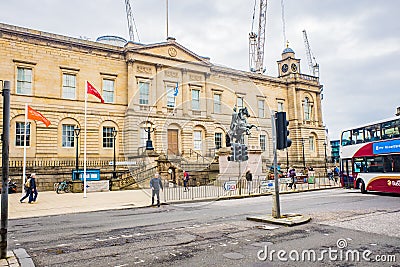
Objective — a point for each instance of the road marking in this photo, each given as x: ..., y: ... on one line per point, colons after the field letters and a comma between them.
x: 126, y: 236
x: 64, y: 245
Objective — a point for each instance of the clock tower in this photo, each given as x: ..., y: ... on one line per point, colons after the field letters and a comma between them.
x: 288, y: 64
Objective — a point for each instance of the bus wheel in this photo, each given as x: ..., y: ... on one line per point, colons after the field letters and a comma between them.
x: 362, y: 187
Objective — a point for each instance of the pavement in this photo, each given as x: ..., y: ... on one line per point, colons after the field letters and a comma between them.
x: 50, y: 203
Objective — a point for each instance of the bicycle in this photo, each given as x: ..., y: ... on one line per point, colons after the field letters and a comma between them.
x: 64, y: 186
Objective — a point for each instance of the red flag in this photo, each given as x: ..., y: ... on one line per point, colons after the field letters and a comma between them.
x: 37, y: 116
x: 91, y: 90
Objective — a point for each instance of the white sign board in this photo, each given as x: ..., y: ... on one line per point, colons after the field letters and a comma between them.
x: 98, y: 186
x: 285, y: 180
x: 230, y: 186
x: 266, y: 185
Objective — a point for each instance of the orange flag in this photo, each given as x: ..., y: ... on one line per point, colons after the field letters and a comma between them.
x: 37, y: 116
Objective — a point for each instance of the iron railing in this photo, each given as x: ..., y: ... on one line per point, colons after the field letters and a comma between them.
x: 234, y: 188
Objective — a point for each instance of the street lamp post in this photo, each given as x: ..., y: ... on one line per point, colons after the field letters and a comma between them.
x: 149, y: 143
x: 325, y: 144
x: 287, y: 160
x: 77, y: 131
x: 304, y: 156
x: 114, y: 133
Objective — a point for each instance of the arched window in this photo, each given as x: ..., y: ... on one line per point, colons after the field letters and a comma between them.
x: 307, y: 109
x: 311, y: 143
x: 197, y: 139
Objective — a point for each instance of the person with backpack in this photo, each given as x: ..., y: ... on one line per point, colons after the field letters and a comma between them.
x: 30, y: 189
x: 185, y: 180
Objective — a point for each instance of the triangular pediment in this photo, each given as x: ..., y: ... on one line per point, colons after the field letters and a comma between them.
x: 171, y: 50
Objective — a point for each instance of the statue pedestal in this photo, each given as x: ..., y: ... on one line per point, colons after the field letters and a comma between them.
x: 229, y: 170
x: 77, y: 186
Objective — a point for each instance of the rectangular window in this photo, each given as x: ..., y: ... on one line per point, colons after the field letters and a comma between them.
x: 218, y: 140
x: 24, y: 81
x: 144, y: 93
x: 108, y: 90
x: 19, y: 134
x: 197, y: 140
x: 239, y: 103
x: 67, y: 135
x: 69, y: 86
x: 263, y: 145
x: 280, y: 106
x: 261, y: 109
x: 196, y: 99
x: 217, y: 103
x: 108, y: 139
x: 170, y: 96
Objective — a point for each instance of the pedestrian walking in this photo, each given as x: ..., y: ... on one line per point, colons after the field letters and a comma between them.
x: 185, y: 180
x: 155, y: 185
x: 31, y: 189
x: 292, y: 176
x: 27, y: 188
x: 329, y: 172
x: 34, y: 192
x: 249, y: 179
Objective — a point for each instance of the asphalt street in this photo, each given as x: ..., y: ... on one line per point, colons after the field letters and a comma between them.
x: 347, y: 229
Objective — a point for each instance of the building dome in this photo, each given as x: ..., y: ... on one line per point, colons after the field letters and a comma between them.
x: 288, y: 50
x: 111, y: 40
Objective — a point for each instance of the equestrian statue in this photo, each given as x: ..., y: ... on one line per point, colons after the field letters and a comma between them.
x: 239, y: 125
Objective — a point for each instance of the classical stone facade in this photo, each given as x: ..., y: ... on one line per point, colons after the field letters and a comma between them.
x: 183, y: 97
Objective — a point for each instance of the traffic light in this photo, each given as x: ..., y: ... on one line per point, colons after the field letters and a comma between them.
x: 231, y: 157
x: 238, y: 152
x: 281, y: 124
x: 245, y: 154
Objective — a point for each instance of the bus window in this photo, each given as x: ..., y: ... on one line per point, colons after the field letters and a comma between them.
x: 346, y: 138
x: 390, y: 129
x: 375, y: 164
x: 396, y: 163
x: 358, y: 136
x: 387, y: 164
x: 396, y: 128
x: 372, y: 133
x: 359, y: 165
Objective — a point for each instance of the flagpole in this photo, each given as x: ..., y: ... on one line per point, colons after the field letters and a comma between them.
x: 167, y: 19
x: 84, y: 153
x: 24, y: 164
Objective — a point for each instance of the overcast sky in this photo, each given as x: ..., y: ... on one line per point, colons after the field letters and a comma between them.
x: 356, y: 43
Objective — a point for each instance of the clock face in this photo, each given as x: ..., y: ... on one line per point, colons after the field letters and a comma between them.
x: 172, y: 52
x: 285, y: 68
x: 294, y: 67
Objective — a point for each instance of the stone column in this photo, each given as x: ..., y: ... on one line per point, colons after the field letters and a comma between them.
x: 131, y: 83
x: 209, y: 96
x: 161, y: 97
x: 185, y: 92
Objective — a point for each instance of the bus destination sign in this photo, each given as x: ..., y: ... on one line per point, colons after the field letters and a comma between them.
x: 392, y: 146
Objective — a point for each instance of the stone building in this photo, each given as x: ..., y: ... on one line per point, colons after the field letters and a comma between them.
x: 183, y: 98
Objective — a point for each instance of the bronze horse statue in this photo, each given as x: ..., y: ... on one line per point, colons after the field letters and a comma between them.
x: 239, y: 125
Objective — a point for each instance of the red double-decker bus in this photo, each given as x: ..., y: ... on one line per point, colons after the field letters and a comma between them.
x: 370, y: 156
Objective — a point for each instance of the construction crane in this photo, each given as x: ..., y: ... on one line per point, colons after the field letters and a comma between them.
x: 312, y: 63
x: 131, y: 22
x: 257, y: 41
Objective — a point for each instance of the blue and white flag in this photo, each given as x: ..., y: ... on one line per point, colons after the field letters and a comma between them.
x: 176, y: 90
